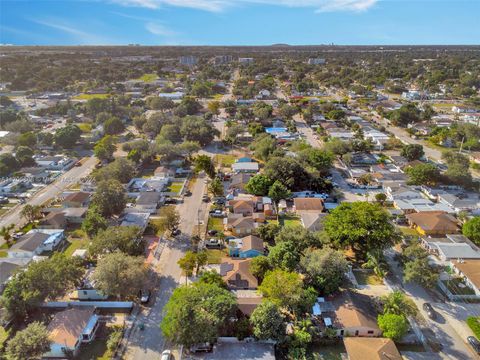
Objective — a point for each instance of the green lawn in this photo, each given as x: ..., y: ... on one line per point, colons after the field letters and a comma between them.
x: 367, y: 278
x: 215, y: 224
x: 74, y: 245
x: 3, y: 254
x: 148, y: 77
x: 91, y: 96
x: 85, y: 127
x: 215, y: 256
x: 474, y: 324
x: 225, y: 160
x: 175, y: 187
x: 289, y: 220
x: 408, y: 231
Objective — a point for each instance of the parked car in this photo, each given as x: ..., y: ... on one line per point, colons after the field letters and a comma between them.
x: 176, y: 232
x: 205, y: 198
x: 429, y: 310
x: 3, y: 200
x: 166, y: 355
x: 170, y: 201
x: 212, y: 232
x: 205, y: 347
x: 78, y: 163
x: 473, y: 341
x: 145, y: 296
x: 188, y: 193
x: 213, y: 244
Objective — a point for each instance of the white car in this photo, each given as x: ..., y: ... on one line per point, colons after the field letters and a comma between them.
x: 166, y: 355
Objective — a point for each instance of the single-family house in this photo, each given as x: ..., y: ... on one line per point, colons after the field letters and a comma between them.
x: 53, y: 220
x: 55, y: 163
x: 8, y: 266
x: 354, y: 315
x: 470, y: 271
x: 239, y: 225
x: 461, y: 202
x: 246, y: 167
x: 69, y: 329
x: 164, y: 172
x: 449, y: 251
x: 238, y: 181
x: 246, y: 247
x: 420, y: 205
x: 307, y: 204
x: 74, y: 215
x: 237, y: 275
x: 240, y: 206
x: 35, y: 242
x: 312, y: 220
x: 149, y: 201
x: 247, y: 300
x: 76, y: 199
x: 143, y: 185
x: 371, y: 349
x: 139, y: 219
x: 433, y: 223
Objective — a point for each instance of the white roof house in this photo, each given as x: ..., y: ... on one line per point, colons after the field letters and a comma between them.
x: 245, y: 167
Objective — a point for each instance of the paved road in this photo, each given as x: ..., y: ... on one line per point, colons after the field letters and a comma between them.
x: 149, y: 343
x: 52, y: 190
x: 454, y: 346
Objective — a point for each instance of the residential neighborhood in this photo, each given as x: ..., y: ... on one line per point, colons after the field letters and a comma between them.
x: 239, y: 203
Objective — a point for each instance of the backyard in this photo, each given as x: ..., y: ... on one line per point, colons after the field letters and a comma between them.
x: 289, y: 220
x: 215, y: 256
x: 148, y: 77
x: 225, y: 160
x: 367, y: 277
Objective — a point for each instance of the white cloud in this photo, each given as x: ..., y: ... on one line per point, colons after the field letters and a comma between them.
x: 220, y: 5
x: 159, y: 29
x: 82, y: 37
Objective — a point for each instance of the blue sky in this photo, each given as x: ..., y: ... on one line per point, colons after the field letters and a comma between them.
x: 239, y: 22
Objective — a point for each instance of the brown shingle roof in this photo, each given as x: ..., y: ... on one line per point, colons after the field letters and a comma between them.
x: 371, y: 349
x: 66, y: 326
x: 353, y: 310
x: 252, y: 242
x: 244, y: 222
x: 303, y: 204
x: 78, y: 196
x: 234, y: 271
x: 434, y: 221
x: 471, y: 269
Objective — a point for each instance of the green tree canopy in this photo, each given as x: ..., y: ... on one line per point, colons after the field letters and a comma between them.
x: 195, y: 313
x: 361, y: 225
x: 325, y: 269
x: 423, y: 174
x: 67, y: 136
x: 471, y: 229
x: 412, y: 151
x: 109, y: 197
x: 120, y: 275
x: 393, y: 326
x: 283, y: 288
x: 30, y: 343
x: 268, y: 322
x: 126, y: 239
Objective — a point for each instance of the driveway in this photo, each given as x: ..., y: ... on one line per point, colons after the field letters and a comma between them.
x: 454, y: 345
x: 149, y: 343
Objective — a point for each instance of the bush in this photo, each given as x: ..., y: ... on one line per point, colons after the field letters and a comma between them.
x: 473, y: 323
x: 114, y: 339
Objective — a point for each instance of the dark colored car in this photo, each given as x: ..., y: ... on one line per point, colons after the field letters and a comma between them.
x: 176, y: 232
x: 188, y: 193
x: 212, y: 232
x: 473, y: 341
x: 429, y: 310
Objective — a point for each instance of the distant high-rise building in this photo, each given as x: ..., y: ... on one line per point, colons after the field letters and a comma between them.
x: 222, y: 59
x: 246, y: 60
x: 316, y: 61
x: 188, y: 60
